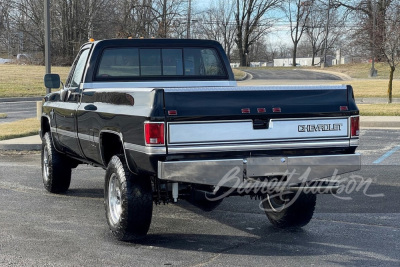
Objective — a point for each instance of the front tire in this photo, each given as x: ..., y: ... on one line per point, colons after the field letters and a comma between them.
x: 128, y: 201
x: 56, y: 168
x: 290, y: 211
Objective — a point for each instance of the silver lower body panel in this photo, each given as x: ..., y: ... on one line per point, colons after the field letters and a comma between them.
x: 235, y: 173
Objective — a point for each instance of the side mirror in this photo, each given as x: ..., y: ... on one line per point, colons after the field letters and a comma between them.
x: 52, y: 81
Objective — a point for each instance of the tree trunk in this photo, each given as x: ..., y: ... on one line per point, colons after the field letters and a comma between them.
x: 294, y: 54
x: 243, y: 58
x: 390, y: 87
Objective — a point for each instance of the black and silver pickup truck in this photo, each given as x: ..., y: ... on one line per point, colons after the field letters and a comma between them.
x: 167, y: 121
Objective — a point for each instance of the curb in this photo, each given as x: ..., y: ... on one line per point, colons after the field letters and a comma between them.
x: 383, y: 122
x: 248, y: 76
x: 379, y: 124
x: 342, y: 76
x: 375, y: 100
x: 28, y: 143
x: 21, y: 147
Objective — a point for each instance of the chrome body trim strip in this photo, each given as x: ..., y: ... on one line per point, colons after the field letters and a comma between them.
x: 89, y: 138
x: 157, y: 84
x: 235, y: 172
x: 67, y: 133
x: 149, y: 150
x: 192, y: 88
x: 84, y: 137
x: 354, y: 142
x: 258, y: 146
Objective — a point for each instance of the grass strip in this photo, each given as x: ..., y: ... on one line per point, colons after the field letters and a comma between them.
x: 379, y: 109
x: 239, y: 75
x: 22, y: 128
x: 25, y: 80
x: 372, y: 88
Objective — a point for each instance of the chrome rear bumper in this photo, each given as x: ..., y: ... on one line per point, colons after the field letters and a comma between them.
x: 235, y: 172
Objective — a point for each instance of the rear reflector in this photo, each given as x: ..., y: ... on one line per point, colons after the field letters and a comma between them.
x: 276, y: 110
x: 355, y: 126
x: 172, y: 112
x: 261, y: 110
x: 154, y: 133
x: 344, y: 108
x: 245, y: 110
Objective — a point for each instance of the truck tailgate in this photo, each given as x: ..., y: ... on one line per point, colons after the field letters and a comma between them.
x: 270, y: 115
x: 230, y: 101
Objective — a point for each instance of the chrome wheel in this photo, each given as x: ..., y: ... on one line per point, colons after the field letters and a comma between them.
x: 56, y: 167
x: 114, y: 199
x: 128, y: 200
x: 45, y: 164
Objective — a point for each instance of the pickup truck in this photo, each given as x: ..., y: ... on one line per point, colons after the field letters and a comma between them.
x: 167, y: 121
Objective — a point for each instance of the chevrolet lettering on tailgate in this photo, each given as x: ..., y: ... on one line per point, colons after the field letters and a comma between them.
x: 320, y: 128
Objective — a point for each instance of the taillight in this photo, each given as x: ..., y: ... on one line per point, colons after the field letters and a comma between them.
x: 355, y: 126
x: 154, y: 133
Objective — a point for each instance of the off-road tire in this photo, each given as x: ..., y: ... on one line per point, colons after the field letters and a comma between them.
x: 56, y: 168
x: 128, y: 200
x: 295, y: 215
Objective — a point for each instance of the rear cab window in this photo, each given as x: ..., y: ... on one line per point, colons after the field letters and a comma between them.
x: 133, y: 63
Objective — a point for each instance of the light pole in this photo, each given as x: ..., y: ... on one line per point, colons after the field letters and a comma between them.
x: 189, y: 15
x: 47, y: 59
x: 373, y: 72
x: 326, y: 36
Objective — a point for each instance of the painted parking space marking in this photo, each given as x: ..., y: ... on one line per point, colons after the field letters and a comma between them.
x: 387, y: 155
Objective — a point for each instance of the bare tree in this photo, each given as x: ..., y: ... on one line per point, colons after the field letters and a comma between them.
x: 134, y: 18
x: 316, y: 30
x: 218, y: 23
x: 251, y: 23
x: 371, y: 15
x: 28, y: 24
x: 390, y: 47
x: 297, y: 12
x: 259, y: 51
x: 5, y: 26
x: 166, y: 12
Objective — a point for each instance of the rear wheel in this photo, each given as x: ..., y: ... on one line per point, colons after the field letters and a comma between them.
x: 128, y: 201
x: 56, y: 168
x: 291, y: 210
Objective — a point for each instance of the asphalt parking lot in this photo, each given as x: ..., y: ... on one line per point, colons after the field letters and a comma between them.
x: 42, y: 229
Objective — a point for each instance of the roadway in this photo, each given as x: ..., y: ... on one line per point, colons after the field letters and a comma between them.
x: 291, y: 74
x: 18, y: 110
x: 355, y: 229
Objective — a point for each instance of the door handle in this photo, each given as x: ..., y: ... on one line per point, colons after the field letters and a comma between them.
x: 90, y: 107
